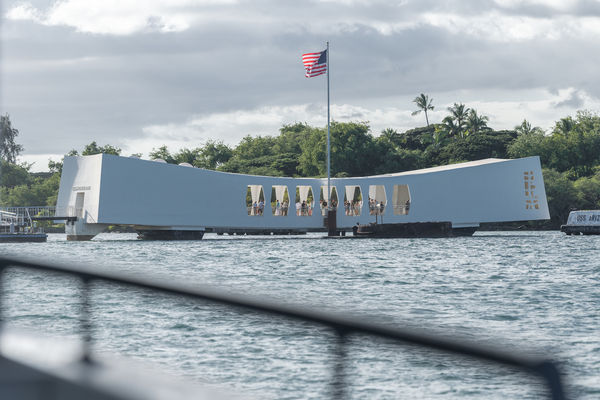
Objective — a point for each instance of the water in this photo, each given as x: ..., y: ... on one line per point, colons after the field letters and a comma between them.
x: 519, y: 291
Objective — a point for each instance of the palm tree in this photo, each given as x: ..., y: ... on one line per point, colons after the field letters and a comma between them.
x: 564, y: 126
x: 459, y: 115
x: 476, y: 123
x: 391, y: 135
x: 435, y: 139
x: 459, y: 112
x: 425, y: 104
x: 526, y: 129
x: 450, y: 127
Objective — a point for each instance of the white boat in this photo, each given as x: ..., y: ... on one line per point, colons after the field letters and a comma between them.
x: 178, y: 202
x: 17, y: 227
x: 584, y: 222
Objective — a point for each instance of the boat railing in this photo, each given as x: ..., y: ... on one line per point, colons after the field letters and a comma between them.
x: 32, y: 211
x: 401, y: 209
x: 342, y: 326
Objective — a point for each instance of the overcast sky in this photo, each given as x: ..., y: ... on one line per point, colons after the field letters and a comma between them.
x: 140, y: 74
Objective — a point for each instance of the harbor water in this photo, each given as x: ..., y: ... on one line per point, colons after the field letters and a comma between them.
x: 535, y: 292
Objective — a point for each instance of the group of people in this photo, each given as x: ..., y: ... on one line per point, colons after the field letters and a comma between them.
x: 376, y: 208
x: 281, y: 209
x: 304, y: 209
x: 258, y: 208
x: 324, y: 206
x: 352, y: 208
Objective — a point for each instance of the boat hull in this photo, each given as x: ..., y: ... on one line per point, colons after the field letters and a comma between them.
x: 23, y: 237
x: 163, y: 234
x: 580, y: 229
x: 413, y: 230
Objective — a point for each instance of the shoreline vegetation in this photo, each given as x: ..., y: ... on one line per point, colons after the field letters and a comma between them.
x: 569, y: 153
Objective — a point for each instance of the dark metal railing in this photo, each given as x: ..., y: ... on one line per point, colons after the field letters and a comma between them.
x: 342, y: 326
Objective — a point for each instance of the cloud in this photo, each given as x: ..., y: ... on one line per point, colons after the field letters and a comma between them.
x: 231, y: 127
x: 143, y: 74
x: 570, y: 98
x: 25, y: 12
x: 537, y: 106
x: 118, y: 17
x: 497, y: 20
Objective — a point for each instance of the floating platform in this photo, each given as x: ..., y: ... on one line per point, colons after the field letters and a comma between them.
x: 15, y: 226
x: 164, y: 234
x: 22, y: 237
x: 412, y: 230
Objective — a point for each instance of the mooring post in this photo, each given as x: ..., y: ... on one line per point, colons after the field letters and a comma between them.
x: 331, y: 223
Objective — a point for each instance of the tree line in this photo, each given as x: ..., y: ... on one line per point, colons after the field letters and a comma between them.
x: 569, y: 152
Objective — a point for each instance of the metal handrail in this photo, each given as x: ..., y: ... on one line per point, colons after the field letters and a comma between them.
x: 341, y: 325
x: 32, y: 210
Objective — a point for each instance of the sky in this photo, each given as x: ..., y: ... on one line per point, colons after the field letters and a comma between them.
x: 139, y: 75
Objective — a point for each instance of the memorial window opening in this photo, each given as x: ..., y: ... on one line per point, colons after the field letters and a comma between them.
x: 352, y: 200
x: 377, y: 200
x: 401, y: 200
x: 255, y: 200
x: 305, y: 201
x: 280, y: 200
x: 324, y: 199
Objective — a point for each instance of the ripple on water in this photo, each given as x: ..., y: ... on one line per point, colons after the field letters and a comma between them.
x: 530, y: 289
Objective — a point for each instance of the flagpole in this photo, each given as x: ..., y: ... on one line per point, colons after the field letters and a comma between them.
x: 328, y: 143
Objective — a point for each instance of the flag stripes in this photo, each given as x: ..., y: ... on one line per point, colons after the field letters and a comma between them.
x: 315, y: 64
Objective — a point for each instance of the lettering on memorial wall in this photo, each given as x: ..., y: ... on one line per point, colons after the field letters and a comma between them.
x: 531, y: 199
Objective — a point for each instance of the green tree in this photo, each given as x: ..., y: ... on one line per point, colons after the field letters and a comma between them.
x: 417, y: 138
x: 56, y: 166
x: 264, y: 155
x: 476, y: 123
x: 12, y: 175
x: 398, y: 160
x: 526, y: 129
x: 162, y: 153
x: 588, y: 192
x: 451, y: 128
x: 9, y: 149
x: 313, y: 153
x: 391, y: 136
x: 186, y: 156
x: 93, y: 148
x: 573, y: 145
x: 529, y: 142
x: 435, y: 139
x: 213, y: 155
x: 353, y: 150
x: 487, y: 144
x: 424, y: 103
x: 290, y: 137
x: 564, y: 126
x: 30, y: 190
x: 456, y: 122
x: 561, y: 195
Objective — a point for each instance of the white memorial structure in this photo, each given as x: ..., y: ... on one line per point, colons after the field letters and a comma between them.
x: 167, y: 201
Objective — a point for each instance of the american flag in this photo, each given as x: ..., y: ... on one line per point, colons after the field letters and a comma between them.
x: 315, y: 63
